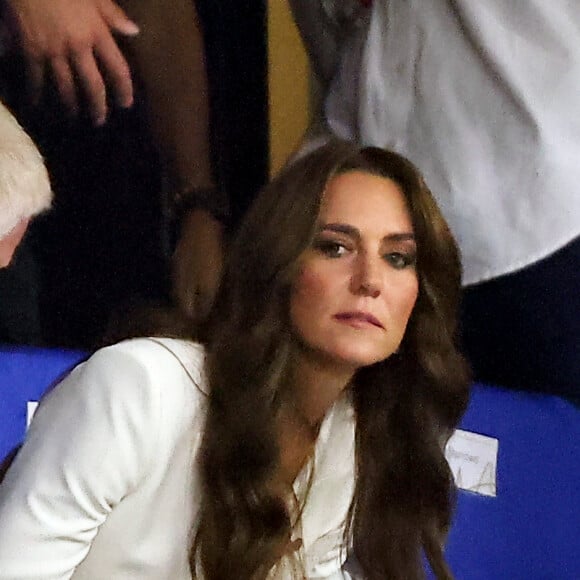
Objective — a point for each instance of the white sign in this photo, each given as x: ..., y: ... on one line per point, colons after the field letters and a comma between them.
x: 473, y: 460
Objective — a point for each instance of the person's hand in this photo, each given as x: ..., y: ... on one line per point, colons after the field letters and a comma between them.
x: 197, y: 263
x: 74, y: 40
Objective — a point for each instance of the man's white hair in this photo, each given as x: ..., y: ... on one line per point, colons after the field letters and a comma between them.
x: 24, y: 183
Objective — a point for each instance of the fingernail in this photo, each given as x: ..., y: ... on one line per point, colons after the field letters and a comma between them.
x: 126, y: 103
x: 131, y: 28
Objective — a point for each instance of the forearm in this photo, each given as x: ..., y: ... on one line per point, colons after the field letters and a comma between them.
x: 169, y: 54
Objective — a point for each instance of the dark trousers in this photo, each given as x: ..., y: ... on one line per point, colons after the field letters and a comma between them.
x: 522, y: 330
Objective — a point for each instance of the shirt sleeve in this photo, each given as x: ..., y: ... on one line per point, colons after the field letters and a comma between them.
x: 91, y: 441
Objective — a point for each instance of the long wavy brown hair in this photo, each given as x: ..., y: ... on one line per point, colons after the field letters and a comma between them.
x: 406, y: 406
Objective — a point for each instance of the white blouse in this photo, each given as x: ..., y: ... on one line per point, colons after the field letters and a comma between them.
x: 482, y: 96
x: 107, y: 484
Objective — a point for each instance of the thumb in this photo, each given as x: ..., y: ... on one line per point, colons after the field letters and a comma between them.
x: 116, y: 18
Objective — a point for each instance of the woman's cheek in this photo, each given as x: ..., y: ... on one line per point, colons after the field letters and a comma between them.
x: 310, y: 297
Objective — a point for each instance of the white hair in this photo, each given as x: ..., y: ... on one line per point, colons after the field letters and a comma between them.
x: 24, y: 183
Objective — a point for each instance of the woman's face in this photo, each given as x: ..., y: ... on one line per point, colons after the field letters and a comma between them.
x: 357, y: 284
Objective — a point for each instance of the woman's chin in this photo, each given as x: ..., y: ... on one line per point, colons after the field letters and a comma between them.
x: 359, y: 357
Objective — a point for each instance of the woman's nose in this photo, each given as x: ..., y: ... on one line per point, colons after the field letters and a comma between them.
x: 366, y: 278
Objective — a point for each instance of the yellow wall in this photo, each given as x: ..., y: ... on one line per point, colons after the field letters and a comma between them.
x: 288, y: 83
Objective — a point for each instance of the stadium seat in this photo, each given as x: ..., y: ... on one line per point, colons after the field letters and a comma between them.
x: 530, y: 530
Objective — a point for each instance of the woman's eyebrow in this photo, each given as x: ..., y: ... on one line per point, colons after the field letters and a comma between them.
x: 355, y: 232
x: 340, y: 228
x: 401, y: 237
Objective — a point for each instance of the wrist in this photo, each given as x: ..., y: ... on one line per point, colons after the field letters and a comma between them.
x: 208, y: 200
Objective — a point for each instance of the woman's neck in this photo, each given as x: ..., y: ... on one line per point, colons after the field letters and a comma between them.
x: 315, y: 387
x: 317, y: 384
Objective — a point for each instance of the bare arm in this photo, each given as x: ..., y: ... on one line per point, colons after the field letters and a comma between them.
x: 170, y: 56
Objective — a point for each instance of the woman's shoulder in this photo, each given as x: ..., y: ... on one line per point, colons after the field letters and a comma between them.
x: 145, y: 393
x: 165, y: 360
x: 147, y: 377
x: 157, y: 347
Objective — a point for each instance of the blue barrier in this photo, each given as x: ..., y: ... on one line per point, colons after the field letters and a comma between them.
x: 531, y: 529
x: 25, y: 374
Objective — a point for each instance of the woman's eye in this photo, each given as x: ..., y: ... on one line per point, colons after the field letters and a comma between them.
x: 331, y: 249
x: 400, y: 260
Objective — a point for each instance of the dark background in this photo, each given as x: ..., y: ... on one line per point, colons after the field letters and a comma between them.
x: 106, y: 244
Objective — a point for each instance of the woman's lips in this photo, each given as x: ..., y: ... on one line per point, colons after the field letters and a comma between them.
x: 358, y: 319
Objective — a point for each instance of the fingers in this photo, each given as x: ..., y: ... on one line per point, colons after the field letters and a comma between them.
x: 193, y: 296
x: 111, y: 64
x: 113, y: 61
x: 92, y: 82
x: 197, y: 264
x: 116, y: 69
x: 188, y: 291
x: 195, y: 303
x: 82, y: 68
x: 116, y: 19
x: 64, y: 79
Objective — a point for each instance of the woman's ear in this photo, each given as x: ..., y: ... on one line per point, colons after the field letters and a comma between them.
x: 10, y: 241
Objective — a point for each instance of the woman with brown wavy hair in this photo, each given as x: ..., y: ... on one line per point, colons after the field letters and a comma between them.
x: 310, y: 427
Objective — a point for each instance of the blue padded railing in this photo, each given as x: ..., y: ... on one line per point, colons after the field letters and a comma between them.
x: 25, y: 374
x: 531, y: 529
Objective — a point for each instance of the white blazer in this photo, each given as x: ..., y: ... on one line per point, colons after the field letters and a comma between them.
x: 107, y: 483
